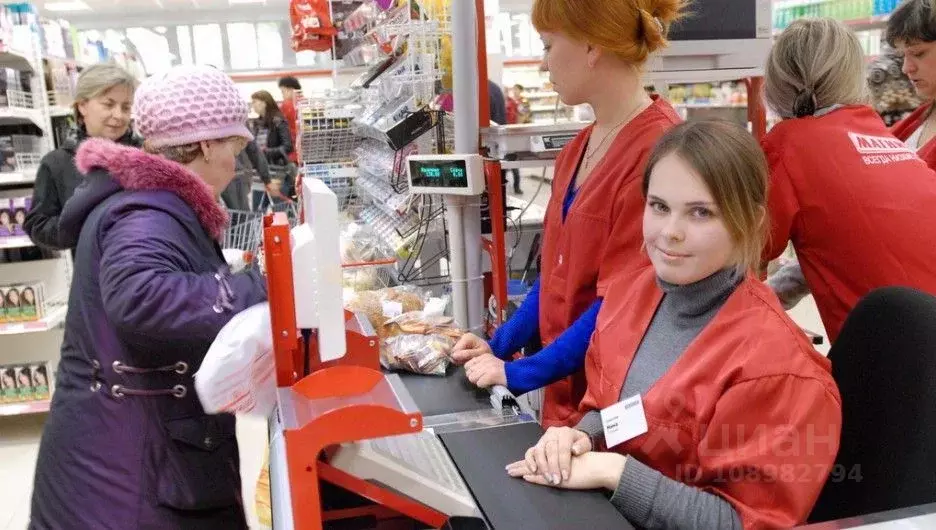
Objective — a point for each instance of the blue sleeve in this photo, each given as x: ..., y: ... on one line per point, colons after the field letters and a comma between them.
x: 517, y: 332
x: 564, y: 357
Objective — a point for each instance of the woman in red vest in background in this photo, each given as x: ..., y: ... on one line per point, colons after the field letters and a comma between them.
x: 911, y: 30
x: 858, y: 205
x: 719, y: 412
x: 594, y: 51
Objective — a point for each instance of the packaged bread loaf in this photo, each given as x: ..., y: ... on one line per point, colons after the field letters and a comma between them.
x: 386, y: 304
x: 419, y: 354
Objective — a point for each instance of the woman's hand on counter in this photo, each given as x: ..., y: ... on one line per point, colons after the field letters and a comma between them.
x: 469, y: 347
x: 486, y: 371
x: 552, y: 455
x: 587, y: 471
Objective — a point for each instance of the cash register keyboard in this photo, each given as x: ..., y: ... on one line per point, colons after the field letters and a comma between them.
x: 425, y: 452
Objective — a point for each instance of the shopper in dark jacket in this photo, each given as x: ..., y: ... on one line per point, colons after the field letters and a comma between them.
x: 272, y: 130
x: 102, y: 110
x: 127, y: 445
x: 237, y: 194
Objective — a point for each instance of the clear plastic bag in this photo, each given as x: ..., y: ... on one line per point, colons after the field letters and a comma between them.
x: 420, y: 323
x: 419, y: 354
x: 361, y: 244
x: 386, y: 304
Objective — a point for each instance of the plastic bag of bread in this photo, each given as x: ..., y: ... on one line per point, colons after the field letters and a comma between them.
x: 419, y: 354
x: 421, y: 323
x: 386, y: 304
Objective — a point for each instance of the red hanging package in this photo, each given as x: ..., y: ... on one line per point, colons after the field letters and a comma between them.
x: 311, y: 24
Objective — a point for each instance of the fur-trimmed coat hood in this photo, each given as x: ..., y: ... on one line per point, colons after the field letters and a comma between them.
x: 110, y: 167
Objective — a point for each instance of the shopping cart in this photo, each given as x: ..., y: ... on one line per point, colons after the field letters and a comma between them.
x: 245, y: 231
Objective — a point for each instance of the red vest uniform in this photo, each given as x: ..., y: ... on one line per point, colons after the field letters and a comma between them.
x: 749, y: 412
x: 858, y: 205
x: 600, y: 238
x: 907, y: 126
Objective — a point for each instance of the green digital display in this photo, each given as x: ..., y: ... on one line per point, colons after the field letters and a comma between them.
x: 439, y: 173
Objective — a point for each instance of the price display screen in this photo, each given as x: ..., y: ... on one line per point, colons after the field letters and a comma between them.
x: 439, y: 174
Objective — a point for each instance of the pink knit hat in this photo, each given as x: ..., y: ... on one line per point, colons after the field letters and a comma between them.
x: 189, y: 104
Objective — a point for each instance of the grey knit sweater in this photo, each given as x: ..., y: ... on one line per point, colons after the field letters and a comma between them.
x: 644, y: 496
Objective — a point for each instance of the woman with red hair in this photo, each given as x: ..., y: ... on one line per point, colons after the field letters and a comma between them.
x: 594, y: 51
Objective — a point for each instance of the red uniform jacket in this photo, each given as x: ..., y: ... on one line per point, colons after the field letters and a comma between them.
x: 288, y: 108
x: 907, y: 126
x: 858, y: 205
x: 601, y: 237
x: 749, y: 412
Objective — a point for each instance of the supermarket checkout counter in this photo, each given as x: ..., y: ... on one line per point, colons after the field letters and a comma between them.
x: 456, y: 464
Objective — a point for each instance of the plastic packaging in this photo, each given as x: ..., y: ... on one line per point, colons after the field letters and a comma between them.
x: 237, y: 375
x: 386, y: 304
x: 361, y: 244
x: 420, y: 354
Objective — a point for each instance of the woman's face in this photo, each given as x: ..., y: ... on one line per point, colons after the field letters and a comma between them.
x: 13, y: 298
x: 567, y: 62
x: 20, y: 217
x: 108, y: 115
x: 919, y: 64
x: 8, y: 381
x: 40, y: 379
x: 4, y: 218
x: 28, y: 297
x: 220, y: 161
x: 683, y: 231
x: 258, y: 106
x: 24, y: 379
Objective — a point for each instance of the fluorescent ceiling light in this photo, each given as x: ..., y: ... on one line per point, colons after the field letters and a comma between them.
x: 72, y: 5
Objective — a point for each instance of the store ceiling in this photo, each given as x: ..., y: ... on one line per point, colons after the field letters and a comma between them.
x: 117, y: 13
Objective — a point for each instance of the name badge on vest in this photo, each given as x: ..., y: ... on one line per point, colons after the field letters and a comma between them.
x: 623, y: 421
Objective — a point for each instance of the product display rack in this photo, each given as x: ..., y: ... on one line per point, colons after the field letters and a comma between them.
x: 21, y: 263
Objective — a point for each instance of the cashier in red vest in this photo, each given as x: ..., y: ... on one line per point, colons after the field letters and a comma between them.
x: 911, y: 30
x: 707, y: 407
x: 592, y: 222
x: 858, y: 205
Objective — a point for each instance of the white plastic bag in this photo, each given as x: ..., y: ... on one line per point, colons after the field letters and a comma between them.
x: 238, y: 373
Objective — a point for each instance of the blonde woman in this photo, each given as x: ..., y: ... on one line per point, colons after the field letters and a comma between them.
x: 102, y: 109
x: 858, y: 205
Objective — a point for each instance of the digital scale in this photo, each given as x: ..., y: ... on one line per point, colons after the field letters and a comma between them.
x: 539, y: 144
x: 446, y: 174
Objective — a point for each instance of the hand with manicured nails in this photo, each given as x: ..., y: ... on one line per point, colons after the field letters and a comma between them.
x: 486, y: 371
x: 469, y: 347
x: 587, y: 471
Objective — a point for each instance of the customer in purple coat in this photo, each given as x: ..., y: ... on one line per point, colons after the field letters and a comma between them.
x: 127, y: 445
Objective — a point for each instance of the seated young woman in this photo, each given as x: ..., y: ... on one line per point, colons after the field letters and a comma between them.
x: 706, y: 406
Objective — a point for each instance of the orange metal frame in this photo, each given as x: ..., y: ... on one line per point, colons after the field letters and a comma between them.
x: 355, y: 374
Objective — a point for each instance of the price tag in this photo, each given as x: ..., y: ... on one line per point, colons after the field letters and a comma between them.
x: 624, y: 421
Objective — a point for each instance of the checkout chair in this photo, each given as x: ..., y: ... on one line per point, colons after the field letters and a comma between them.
x: 884, y: 362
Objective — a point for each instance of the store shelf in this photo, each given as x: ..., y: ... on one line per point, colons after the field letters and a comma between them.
x: 864, y: 24
x: 15, y: 242
x: 19, y: 116
x: 26, y: 407
x: 54, y: 319
x: 15, y: 60
x: 15, y: 179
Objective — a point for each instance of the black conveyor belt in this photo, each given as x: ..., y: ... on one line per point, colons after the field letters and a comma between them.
x: 445, y: 395
x: 513, y: 504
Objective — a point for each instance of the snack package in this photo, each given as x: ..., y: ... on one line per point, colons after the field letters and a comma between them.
x: 386, y: 304
x: 3, y: 313
x: 420, y: 354
x: 8, y: 393
x: 420, y: 323
x: 311, y: 25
